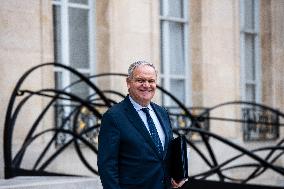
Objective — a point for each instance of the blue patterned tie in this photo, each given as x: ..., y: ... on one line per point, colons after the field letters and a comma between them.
x: 153, y: 131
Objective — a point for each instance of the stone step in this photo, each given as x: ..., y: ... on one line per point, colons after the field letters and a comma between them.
x: 45, y: 182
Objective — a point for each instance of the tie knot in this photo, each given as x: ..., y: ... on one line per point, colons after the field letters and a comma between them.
x: 145, y: 110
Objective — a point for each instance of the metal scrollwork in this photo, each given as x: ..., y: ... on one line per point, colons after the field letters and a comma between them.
x: 77, y: 124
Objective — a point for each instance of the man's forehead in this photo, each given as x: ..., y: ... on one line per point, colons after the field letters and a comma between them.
x: 144, y: 74
x: 144, y: 69
x: 144, y: 66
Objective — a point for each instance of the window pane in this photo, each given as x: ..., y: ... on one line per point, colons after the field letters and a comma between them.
x: 58, y: 80
x: 250, y: 92
x: 57, y: 33
x: 162, y: 47
x: 80, y: 89
x: 176, y: 48
x: 249, y: 57
x: 177, y: 88
x: 161, y: 7
x: 176, y: 8
x: 79, y: 1
x: 249, y: 14
x: 79, y: 38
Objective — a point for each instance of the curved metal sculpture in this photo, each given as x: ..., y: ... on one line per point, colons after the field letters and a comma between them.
x: 78, y: 134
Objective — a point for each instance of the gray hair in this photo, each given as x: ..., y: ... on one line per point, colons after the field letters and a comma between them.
x: 139, y: 63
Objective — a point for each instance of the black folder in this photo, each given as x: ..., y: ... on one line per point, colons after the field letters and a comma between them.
x: 178, y: 158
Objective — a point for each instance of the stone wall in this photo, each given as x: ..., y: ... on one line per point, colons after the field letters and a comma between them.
x: 26, y: 41
x: 128, y: 30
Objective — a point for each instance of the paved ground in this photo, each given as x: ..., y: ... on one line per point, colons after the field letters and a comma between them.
x: 50, y: 183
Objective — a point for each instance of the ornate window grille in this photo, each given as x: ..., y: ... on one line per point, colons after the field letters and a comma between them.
x: 260, y: 124
x: 180, y: 120
x: 77, y: 119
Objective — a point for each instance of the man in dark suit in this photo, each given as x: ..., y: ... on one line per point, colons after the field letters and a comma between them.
x: 134, y: 137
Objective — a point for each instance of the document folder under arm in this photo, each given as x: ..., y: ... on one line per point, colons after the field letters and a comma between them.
x: 178, y: 159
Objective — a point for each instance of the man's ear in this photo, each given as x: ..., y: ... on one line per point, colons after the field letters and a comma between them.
x: 127, y: 82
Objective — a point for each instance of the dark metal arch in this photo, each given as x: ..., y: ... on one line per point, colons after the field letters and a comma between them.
x: 100, y: 98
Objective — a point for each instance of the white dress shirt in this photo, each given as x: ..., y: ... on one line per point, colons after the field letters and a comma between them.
x: 142, y: 115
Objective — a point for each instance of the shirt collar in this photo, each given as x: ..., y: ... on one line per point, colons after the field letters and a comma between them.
x: 137, y: 106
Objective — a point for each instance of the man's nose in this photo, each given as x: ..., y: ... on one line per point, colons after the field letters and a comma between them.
x: 146, y: 84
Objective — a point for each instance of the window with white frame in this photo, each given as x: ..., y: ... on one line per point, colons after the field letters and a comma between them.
x: 174, y: 50
x: 250, y: 51
x: 74, y: 31
x: 74, y: 41
x: 260, y: 123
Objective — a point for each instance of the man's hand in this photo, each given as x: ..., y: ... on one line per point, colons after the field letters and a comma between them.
x: 178, y: 184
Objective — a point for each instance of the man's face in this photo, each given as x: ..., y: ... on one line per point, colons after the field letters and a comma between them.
x: 142, y: 85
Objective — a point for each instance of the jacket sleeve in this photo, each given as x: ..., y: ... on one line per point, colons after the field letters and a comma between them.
x: 108, y: 152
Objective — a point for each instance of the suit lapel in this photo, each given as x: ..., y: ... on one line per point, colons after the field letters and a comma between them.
x: 136, y: 121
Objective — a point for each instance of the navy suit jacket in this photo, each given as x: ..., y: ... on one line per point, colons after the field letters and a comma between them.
x: 128, y: 157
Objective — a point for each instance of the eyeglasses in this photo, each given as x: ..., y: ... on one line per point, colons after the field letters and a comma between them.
x: 143, y: 81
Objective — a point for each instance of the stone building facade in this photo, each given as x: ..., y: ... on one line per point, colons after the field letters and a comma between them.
x: 209, y: 51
